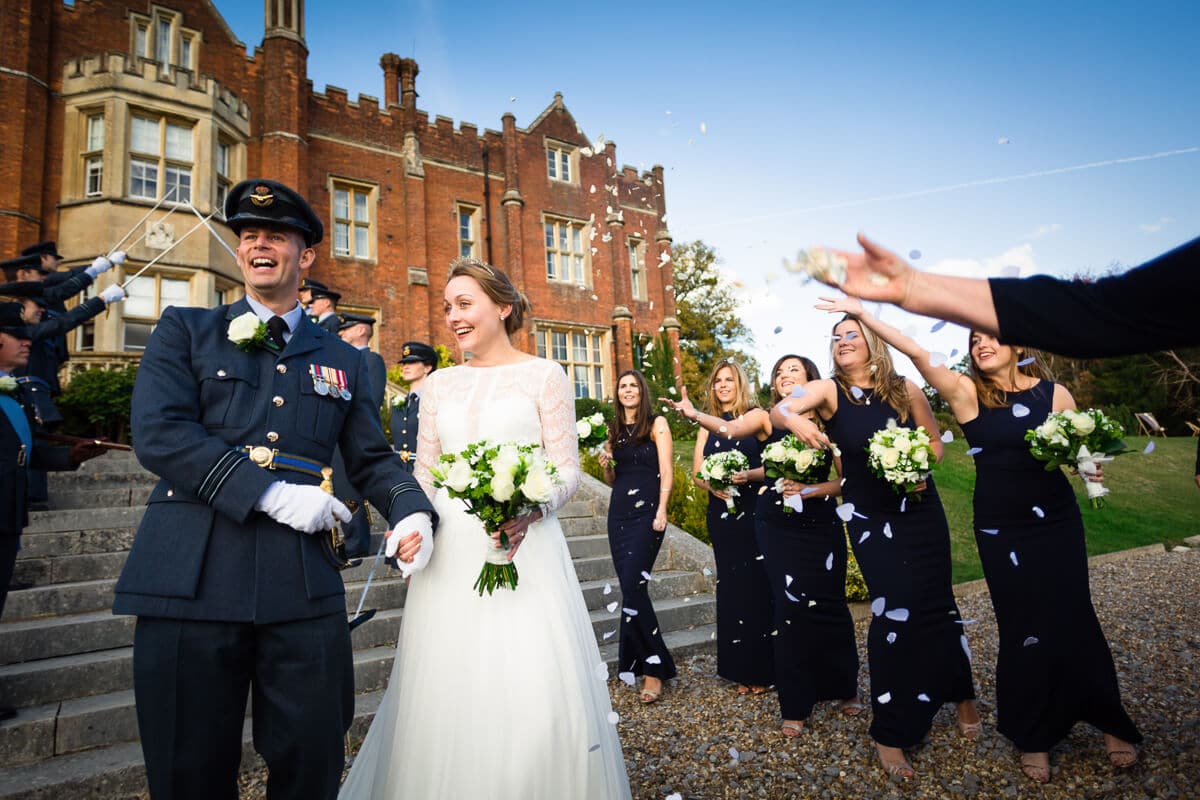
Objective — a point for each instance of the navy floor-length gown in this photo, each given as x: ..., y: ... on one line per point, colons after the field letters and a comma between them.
x: 916, y: 649
x: 815, y: 654
x: 634, y: 544
x: 745, y: 617
x: 1054, y: 667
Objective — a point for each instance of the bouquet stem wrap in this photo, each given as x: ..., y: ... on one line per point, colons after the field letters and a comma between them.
x: 1087, y: 462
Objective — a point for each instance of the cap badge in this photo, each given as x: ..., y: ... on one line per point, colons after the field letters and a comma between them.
x: 262, y: 196
x: 407, y: 351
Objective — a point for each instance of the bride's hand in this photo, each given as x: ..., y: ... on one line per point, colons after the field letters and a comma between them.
x: 516, y: 529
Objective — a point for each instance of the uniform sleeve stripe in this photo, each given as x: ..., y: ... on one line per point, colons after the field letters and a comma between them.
x: 217, y: 476
x: 398, y: 490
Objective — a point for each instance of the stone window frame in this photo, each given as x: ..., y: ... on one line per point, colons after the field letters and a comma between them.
x: 371, y: 223
x: 179, y: 45
x: 558, y: 341
x: 151, y: 321
x: 92, y: 155
x: 581, y: 258
x: 468, y: 245
x: 636, y: 251
x: 560, y: 157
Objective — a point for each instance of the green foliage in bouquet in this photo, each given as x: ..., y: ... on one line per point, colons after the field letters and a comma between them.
x: 1057, y: 440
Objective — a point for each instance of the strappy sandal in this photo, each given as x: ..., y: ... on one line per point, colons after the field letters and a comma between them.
x: 1034, y: 770
x: 900, y: 769
x: 648, y: 696
x: 853, y: 708
x: 1123, y: 757
x: 759, y: 689
x: 970, y: 730
x: 791, y: 728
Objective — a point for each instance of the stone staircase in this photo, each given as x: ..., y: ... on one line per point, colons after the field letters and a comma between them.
x: 66, y: 661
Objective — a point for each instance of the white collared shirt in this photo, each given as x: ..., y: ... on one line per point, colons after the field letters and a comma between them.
x: 291, y: 318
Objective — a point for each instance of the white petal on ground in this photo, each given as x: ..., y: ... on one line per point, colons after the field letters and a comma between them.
x: 706, y: 571
x: 608, y: 588
x: 609, y: 634
x: 733, y: 753
x: 1019, y: 410
x: 612, y: 606
x: 898, y: 614
x: 878, y: 605
x: 628, y: 677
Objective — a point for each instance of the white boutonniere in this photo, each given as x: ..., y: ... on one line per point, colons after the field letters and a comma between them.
x: 8, y: 384
x: 249, y: 331
x: 400, y: 401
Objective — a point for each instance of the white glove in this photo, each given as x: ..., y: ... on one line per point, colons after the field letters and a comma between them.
x: 305, y: 508
x: 101, y: 264
x: 117, y: 256
x: 421, y: 523
x: 112, y: 294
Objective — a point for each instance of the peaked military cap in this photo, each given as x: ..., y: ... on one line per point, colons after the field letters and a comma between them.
x: 418, y: 351
x: 12, y: 321
x: 32, y: 289
x: 324, y: 292
x: 350, y: 320
x: 42, y: 248
x: 311, y: 285
x: 11, y: 265
x: 264, y: 201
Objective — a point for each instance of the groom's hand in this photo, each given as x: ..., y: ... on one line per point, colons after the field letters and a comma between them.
x: 411, y: 542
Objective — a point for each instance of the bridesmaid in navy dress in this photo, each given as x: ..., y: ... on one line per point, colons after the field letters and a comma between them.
x: 805, y: 555
x: 744, y: 609
x: 915, y: 646
x: 637, y: 464
x: 1054, y: 667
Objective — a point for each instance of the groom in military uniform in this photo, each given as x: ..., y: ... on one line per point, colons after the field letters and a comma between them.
x: 238, y: 410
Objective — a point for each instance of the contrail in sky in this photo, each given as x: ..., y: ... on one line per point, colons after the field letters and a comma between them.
x: 955, y: 186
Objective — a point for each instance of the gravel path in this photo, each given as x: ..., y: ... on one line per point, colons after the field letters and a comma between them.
x: 1148, y: 603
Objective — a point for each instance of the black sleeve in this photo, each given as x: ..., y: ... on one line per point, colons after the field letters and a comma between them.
x: 1147, y: 309
x: 71, y: 285
x: 68, y: 321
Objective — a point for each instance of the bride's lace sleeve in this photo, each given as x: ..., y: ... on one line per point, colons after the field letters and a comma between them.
x: 429, y: 446
x: 556, y: 408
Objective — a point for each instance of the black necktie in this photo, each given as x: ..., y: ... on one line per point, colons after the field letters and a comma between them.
x: 275, y: 328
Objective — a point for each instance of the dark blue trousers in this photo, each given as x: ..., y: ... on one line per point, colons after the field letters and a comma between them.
x: 191, y: 682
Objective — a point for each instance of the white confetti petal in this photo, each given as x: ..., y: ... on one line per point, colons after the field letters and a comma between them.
x: 878, y: 605
x: 903, y: 504
x: 646, y: 575
x: 778, y: 329
x: 948, y: 437
x: 703, y: 128
x: 914, y: 254
x: 639, y: 504
x: 628, y: 677
x: 990, y: 531
x: 974, y: 451
x: 884, y: 698
x: 609, y: 634
x: 631, y: 612
x: 653, y: 660
x: 1025, y: 362
x: 898, y: 614
x: 791, y: 596
x: 612, y: 606
x: 965, y: 646
x: 593, y: 748
x: 864, y: 537
x: 797, y: 391
x: 602, y: 671
x: 706, y: 572
x: 787, y: 580
x: 812, y: 603
x: 1148, y: 449
x: 613, y: 718
x: 891, y: 637
x: 1019, y: 410
x: 887, y: 529
x: 1038, y: 511
x: 608, y: 588
x: 733, y: 753
x: 829, y: 562
x: 1030, y: 640
x: 1012, y: 556
x: 937, y: 326
x: 924, y: 698
x: 675, y: 796
x: 845, y: 511
x: 937, y: 359
x: 857, y: 392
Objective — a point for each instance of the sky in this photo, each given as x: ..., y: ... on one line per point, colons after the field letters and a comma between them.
x: 981, y: 138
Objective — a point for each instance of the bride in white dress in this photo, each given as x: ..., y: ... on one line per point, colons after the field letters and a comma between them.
x: 501, y: 696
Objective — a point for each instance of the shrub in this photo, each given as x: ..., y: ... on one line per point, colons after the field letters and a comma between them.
x: 947, y: 422
x: 586, y: 406
x: 96, y: 403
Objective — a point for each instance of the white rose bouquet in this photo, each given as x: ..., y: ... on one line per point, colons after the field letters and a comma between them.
x: 789, y: 459
x: 718, y: 470
x: 497, y: 482
x: 8, y: 384
x: 592, y: 431
x: 901, y: 456
x: 1080, y: 439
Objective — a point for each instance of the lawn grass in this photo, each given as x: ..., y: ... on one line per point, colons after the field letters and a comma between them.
x: 1153, y: 499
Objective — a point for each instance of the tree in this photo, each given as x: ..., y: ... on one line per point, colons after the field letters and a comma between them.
x: 708, y: 313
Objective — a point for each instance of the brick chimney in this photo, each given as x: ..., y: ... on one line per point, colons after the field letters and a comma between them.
x: 390, y: 62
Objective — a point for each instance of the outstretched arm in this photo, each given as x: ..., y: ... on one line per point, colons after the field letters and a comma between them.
x: 955, y: 387
x: 753, y: 423
x: 879, y: 274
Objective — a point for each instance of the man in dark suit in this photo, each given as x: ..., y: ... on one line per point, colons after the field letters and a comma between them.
x: 20, y: 448
x: 323, y: 308
x: 356, y: 330
x: 238, y: 410
x: 417, y: 360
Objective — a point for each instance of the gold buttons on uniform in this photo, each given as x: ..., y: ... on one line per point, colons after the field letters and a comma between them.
x: 272, y: 436
x: 220, y: 373
x: 281, y: 368
x: 277, y: 400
